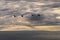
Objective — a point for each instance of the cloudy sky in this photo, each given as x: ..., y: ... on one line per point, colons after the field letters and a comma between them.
x: 11, y: 11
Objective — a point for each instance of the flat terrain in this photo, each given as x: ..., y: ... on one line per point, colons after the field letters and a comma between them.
x: 30, y: 35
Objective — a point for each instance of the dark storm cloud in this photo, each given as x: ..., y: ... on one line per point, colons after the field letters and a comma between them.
x: 40, y: 19
x: 36, y: 17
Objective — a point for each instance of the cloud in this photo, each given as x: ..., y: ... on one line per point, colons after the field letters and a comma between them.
x: 12, y: 0
x: 9, y: 8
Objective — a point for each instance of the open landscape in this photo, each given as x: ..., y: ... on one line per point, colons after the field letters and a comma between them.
x: 29, y: 19
x: 30, y: 35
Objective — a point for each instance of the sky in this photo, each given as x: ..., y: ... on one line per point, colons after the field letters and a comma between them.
x: 48, y: 9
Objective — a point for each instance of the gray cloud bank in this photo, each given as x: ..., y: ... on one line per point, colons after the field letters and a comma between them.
x: 9, y: 8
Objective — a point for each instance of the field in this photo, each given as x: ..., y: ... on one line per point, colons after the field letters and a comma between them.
x: 30, y: 35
